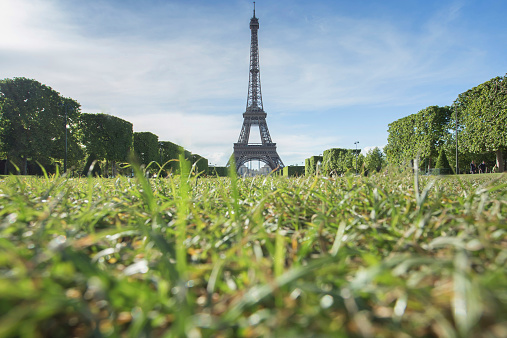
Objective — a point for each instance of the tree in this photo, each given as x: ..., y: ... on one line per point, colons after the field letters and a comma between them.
x: 201, y: 163
x: 218, y: 171
x: 146, y: 147
x: 442, y: 163
x: 400, y: 144
x: 418, y: 135
x: 311, y: 165
x: 293, y: 170
x: 170, y: 152
x: 32, y: 121
x: 374, y: 160
x: 339, y: 161
x: 482, y: 118
x: 106, y: 137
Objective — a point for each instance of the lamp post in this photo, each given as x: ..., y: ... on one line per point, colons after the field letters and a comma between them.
x: 456, y: 134
x: 65, y: 157
x: 356, y: 154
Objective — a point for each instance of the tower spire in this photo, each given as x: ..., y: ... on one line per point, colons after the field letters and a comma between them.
x: 254, y: 100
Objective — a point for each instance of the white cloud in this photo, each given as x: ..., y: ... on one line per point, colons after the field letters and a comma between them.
x: 295, y: 148
x: 29, y: 25
x: 181, y: 71
x: 207, y: 135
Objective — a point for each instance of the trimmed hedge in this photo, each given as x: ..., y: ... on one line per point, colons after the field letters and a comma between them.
x: 169, y: 151
x: 482, y: 116
x: 418, y: 135
x: 200, y: 162
x: 311, y: 165
x: 106, y: 137
x: 146, y: 147
x: 443, y: 165
x: 218, y: 171
x: 294, y: 170
x: 337, y: 161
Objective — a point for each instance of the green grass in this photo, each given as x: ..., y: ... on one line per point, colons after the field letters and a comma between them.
x: 352, y: 256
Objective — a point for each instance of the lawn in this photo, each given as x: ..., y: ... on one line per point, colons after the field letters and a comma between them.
x: 380, y: 256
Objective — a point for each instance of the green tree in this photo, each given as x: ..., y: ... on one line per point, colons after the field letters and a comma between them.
x: 337, y: 161
x: 293, y: 170
x: 32, y: 122
x: 170, y: 152
x: 106, y: 137
x: 442, y: 163
x: 311, y: 165
x: 374, y: 160
x: 400, y: 148
x: 482, y: 117
x: 201, y: 163
x: 146, y: 147
x: 359, y: 158
x: 218, y: 171
x: 418, y: 135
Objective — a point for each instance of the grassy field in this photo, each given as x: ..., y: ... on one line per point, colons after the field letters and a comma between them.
x: 224, y: 257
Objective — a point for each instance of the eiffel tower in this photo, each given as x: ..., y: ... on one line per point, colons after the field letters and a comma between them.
x: 255, y: 115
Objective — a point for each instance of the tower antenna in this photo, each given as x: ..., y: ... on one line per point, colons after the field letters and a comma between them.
x: 254, y: 9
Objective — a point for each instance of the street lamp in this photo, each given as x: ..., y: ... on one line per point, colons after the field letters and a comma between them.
x: 65, y: 158
x: 356, y: 154
x: 456, y: 134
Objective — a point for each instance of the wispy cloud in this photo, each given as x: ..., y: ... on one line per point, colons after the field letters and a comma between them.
x: 200, y: 133
x: 180, y: 69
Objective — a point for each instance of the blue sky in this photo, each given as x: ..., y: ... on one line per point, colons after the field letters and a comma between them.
x: 332, y: 72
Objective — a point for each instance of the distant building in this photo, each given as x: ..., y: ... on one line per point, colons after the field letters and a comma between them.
x: 265, y: 170
x: 243, y: 171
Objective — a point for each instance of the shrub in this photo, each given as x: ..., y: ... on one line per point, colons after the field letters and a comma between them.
x: 293, y: 170
x: 442, y: 167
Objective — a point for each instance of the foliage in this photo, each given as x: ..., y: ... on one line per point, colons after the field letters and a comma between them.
x: 267, y: 256
x: 91, y: 167
x: 443, y: 165
x: 442, y: 162
x: 374, y: 160
x: 418, y: 136
x: 311, y: 165
x: 200, y: 163
x: 482, y: 115
x: 146, y: 147
x: 338, y: 161
x: 218, y: 171
x: 293, y: 170
x: 169, y: 154
x: 106, y: 137
x: 32, y: 122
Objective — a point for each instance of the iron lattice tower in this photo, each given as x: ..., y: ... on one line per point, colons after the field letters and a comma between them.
x: 255, y: 115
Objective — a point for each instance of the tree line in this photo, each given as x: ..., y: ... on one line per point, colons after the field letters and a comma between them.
x: 475, y: 124
x: 478, y: 118
x: 338, y: 161
x: 37, y: 125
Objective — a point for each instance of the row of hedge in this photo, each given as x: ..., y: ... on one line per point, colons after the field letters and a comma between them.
x: 39, y: 127
x: 335, y: 161
x: 478, y: 118
x: 293, y: 170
